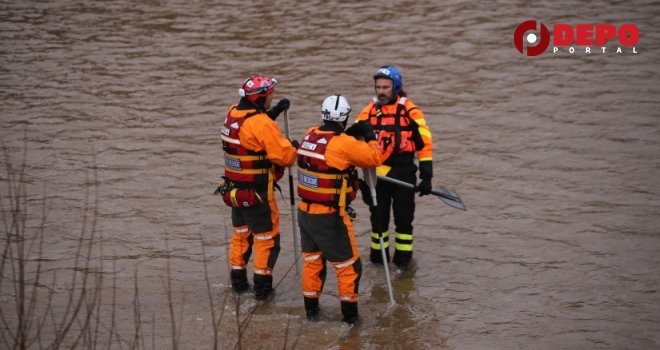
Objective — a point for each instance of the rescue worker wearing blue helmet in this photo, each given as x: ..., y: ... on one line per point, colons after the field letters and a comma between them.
x: 403, y: 137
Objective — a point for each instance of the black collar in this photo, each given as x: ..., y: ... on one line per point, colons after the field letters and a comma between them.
x: 244, y: 104
x: 335, y: 127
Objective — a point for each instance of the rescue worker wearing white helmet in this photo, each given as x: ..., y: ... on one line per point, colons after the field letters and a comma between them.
x: 403, y: 135
x: 327, y: 183
x: 256, y: 152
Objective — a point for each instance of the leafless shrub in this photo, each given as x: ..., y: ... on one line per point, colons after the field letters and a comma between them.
x: 73, y: 307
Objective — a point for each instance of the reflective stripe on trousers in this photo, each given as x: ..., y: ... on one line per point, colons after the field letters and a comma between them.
x: 403, y: 242
x: 375, y: 241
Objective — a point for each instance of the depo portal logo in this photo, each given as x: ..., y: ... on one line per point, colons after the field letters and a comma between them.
x: 568, y: 36
x: 525, y: 27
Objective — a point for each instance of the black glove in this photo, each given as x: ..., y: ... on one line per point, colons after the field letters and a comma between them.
x: 353, y: 130
x: 424, y: 187
x: 425, y: 169
x: 362, y: 128
x: 295, y: 144
x: 274, y: 112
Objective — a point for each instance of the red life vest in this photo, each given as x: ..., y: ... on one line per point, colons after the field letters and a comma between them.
x: 318, y: 182
x: 392, y: 124
x: 242, y: 166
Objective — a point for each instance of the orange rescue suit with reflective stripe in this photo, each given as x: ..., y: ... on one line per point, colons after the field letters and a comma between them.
x: 325, y: 161
x: 252, y: 143
x: 241, y: 164
x: 392, y: 124
x: 318, y: 182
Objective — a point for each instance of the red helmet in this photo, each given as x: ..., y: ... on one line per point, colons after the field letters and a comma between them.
x: 257, y: 86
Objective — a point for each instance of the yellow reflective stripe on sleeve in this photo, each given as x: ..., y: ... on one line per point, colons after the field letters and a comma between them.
x: 425, y: 154
x: 425, y: 159
x: 420, y: 122
x: 425, y: 132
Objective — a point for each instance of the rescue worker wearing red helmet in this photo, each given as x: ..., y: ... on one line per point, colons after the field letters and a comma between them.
x: 254, y: 149
x: 327, y: 183
x: 403, y: 135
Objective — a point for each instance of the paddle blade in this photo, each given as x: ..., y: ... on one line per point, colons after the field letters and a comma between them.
x: 449, y: 197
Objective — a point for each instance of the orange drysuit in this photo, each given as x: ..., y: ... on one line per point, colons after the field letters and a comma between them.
x: 254, y: 146
x: 326, y: 184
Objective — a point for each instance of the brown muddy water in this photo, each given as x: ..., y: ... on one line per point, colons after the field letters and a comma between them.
x: 111, y: 113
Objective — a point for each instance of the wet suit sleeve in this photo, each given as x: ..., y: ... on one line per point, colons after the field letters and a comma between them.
x: 344, y: 151
x: 264, y: 134
x: 426, y: 153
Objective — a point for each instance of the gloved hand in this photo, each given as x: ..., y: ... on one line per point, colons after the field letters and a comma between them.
x: 274, y: 112
x: 425, y: 169
x: 279, y: 172
x: 362, y: 128
x: 295, y: 144
x: 424, y: 187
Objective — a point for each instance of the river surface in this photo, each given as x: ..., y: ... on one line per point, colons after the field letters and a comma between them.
x: 114, y: 110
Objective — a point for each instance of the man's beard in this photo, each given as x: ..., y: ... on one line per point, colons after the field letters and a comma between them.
x: 383, y: 100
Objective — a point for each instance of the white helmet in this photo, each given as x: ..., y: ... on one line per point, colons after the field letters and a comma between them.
x: 335, y: 108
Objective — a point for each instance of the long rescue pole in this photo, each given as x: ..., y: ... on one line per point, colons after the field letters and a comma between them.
x: 370, y: 179
x: 292, y: 200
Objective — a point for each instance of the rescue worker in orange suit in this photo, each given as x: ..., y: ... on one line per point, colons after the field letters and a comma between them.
x: 403, y: 135
x: 327, y: 183
x: 255, y: 152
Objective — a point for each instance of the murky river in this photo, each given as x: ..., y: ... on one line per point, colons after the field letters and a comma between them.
x: 113, y: 108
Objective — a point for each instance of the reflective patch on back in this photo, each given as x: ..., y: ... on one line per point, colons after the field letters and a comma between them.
x: 308, y: 180
x: 308, y: 145
x: 232, y: 163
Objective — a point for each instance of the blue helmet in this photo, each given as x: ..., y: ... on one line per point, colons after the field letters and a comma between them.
x: 390, y: 72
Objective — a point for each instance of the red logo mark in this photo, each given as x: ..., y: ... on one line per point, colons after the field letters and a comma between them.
x: 519, y: 34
